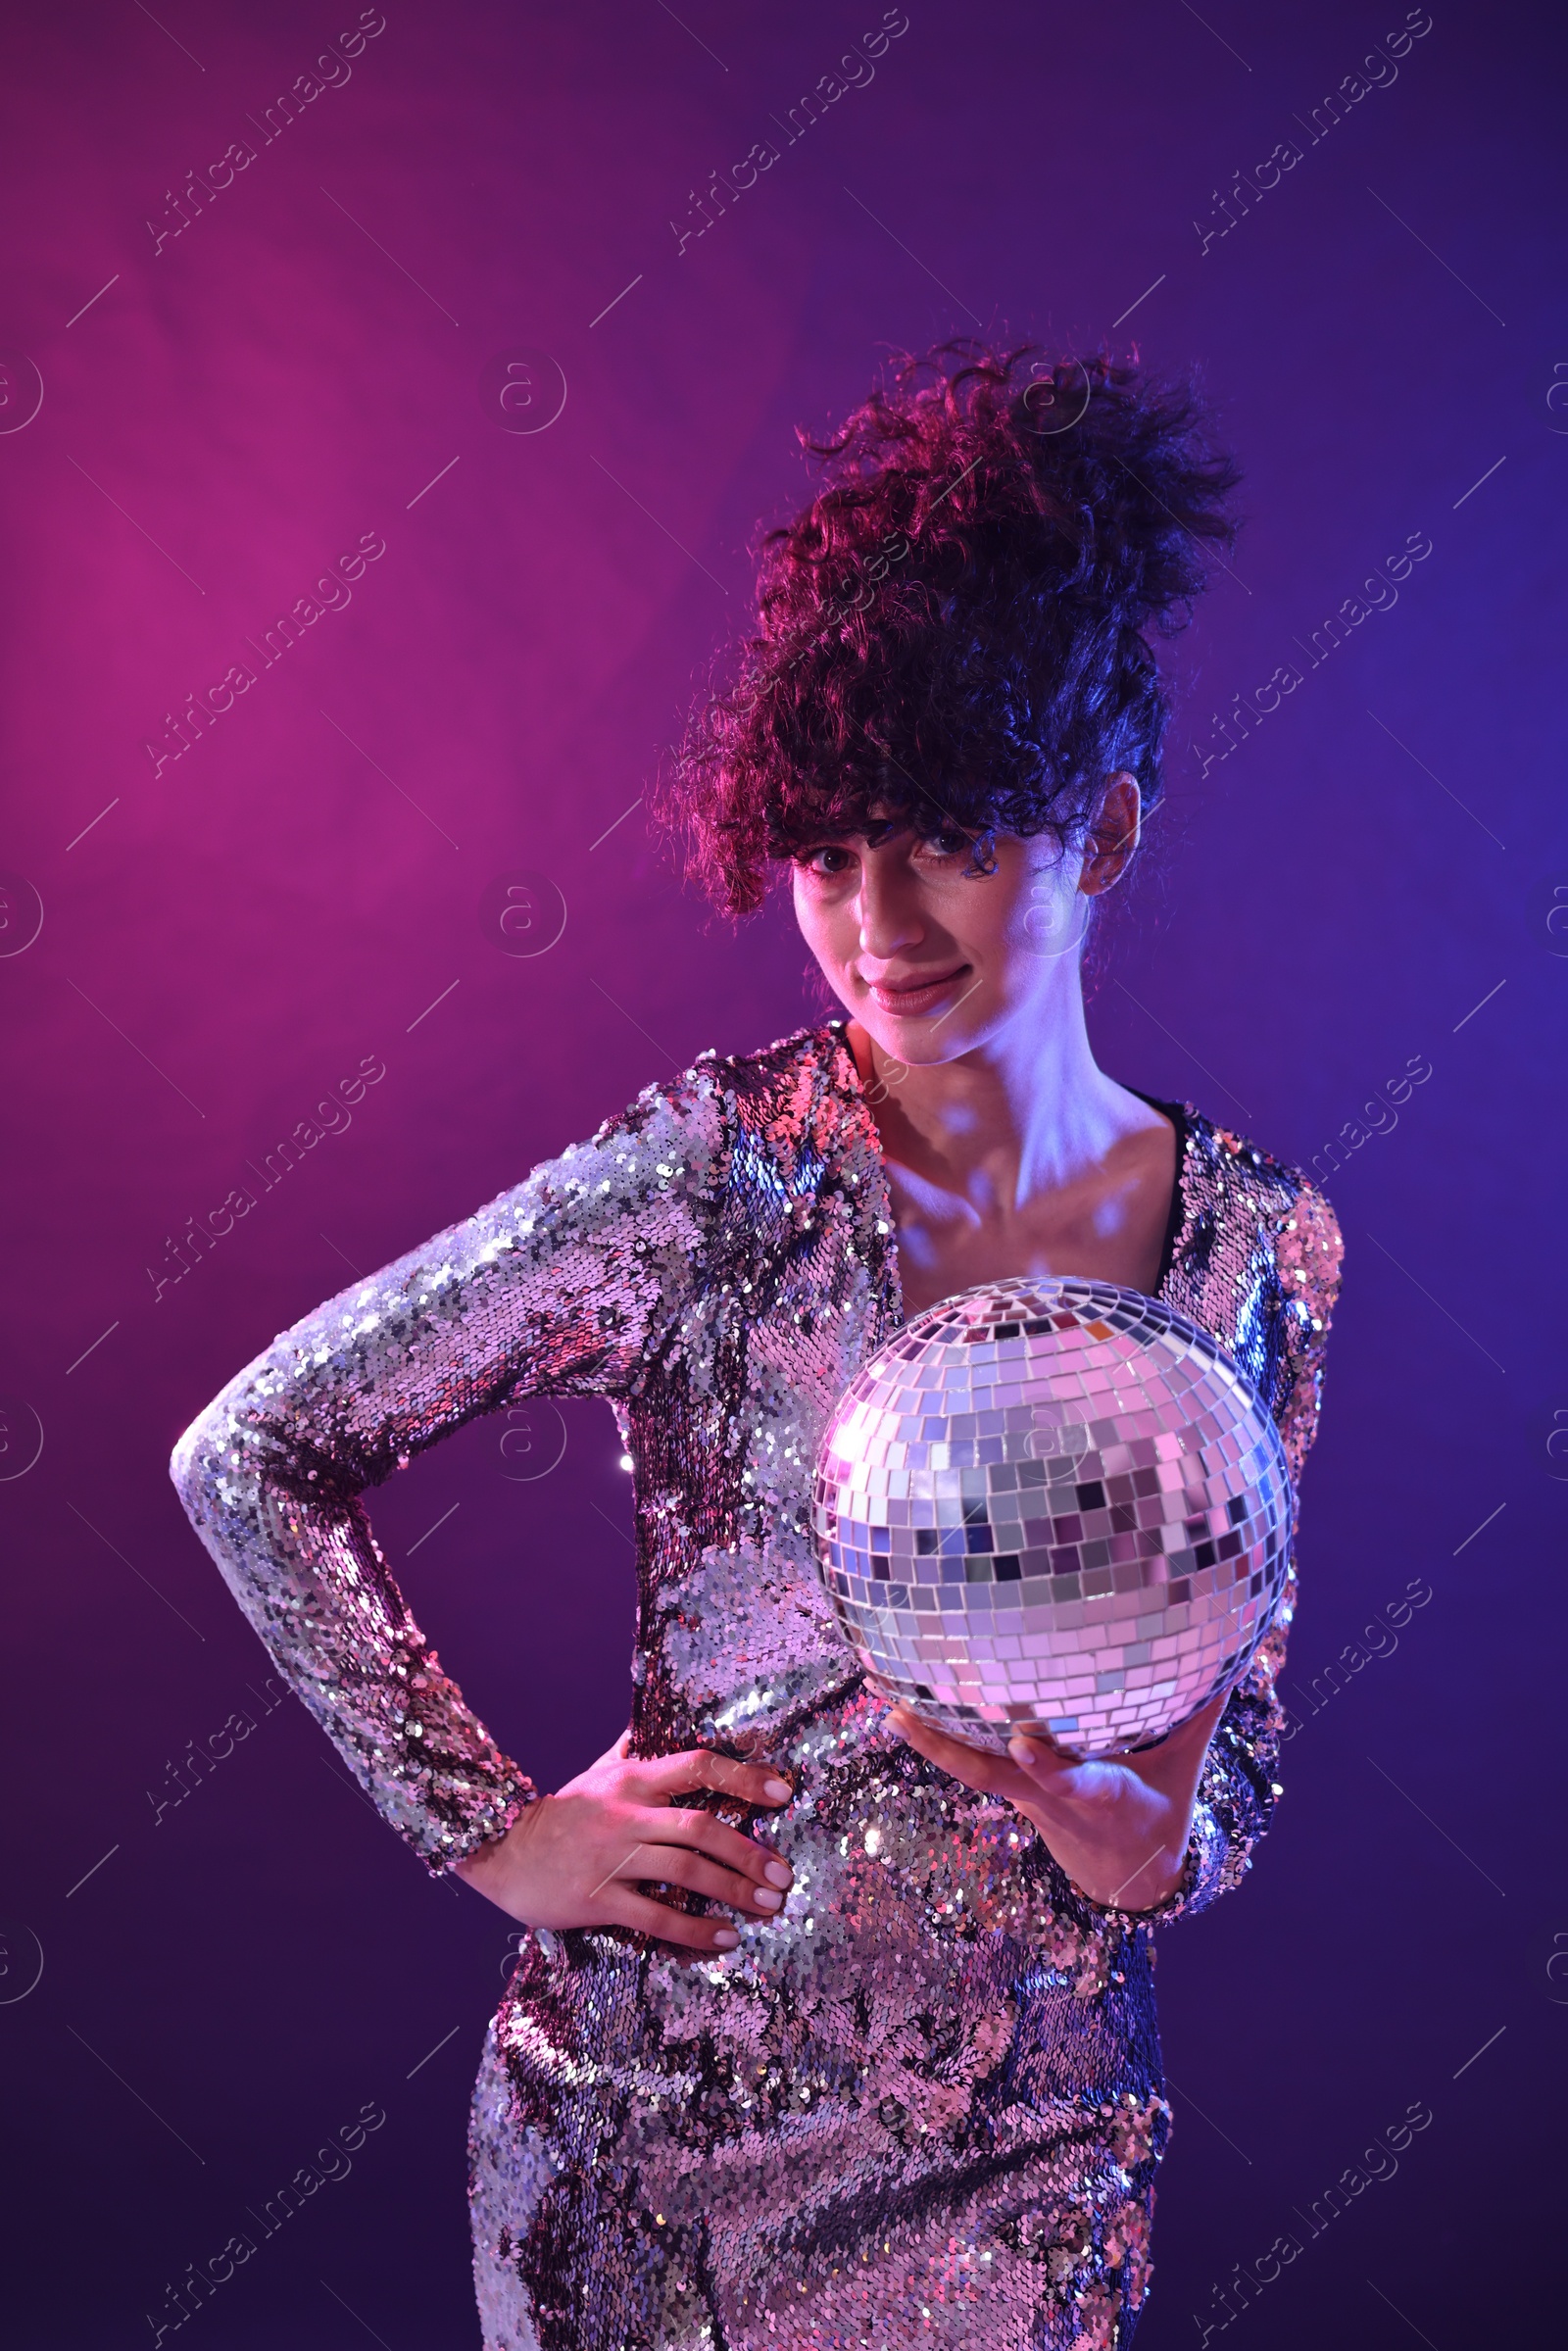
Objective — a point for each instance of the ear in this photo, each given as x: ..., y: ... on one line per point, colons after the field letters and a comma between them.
x: 1113, y: 832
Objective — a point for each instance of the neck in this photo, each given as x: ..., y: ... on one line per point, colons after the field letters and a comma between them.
x: 1028, y: 1110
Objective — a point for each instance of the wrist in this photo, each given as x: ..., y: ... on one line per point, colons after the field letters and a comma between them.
x: 478, y: 1868
x: 489, y: 1865
x: 1113, y: 1873
x: 1149, y: 1887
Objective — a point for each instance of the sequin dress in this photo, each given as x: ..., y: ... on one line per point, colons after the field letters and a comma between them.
x: 923, y: 2105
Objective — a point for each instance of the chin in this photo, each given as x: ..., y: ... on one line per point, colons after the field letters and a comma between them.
x: 916, y: 1042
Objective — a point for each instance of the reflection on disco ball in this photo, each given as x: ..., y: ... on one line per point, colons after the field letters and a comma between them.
x: 1054, y: 1505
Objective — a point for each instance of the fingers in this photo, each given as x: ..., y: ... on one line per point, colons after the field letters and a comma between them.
x: 632, y: 1909
x: 1032, y: 1765
x: 680, y: 1865
x: 1180, y: 1753
x: 666, y: 1776
x: 1040, y: 1758
x: 976, y: 1767
x: 678, y: 1828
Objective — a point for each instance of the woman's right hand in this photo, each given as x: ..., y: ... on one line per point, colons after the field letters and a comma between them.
x: 574, y: 1859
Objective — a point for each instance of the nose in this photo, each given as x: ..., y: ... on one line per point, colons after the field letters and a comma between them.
x: 888, y: 908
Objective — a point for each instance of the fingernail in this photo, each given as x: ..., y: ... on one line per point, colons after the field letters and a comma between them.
x: 1020, y: 1751
x: 776, y: 1791
x: 766, y: 1900
x: 725, y: 1939
x: 779, y: 1873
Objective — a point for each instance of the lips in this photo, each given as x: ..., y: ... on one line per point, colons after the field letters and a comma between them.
x: 916, y: 997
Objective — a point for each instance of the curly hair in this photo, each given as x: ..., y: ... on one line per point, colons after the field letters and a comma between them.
x: 956, y: 629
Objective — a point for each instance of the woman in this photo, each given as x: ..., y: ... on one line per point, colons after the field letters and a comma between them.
x: 831, y: 2030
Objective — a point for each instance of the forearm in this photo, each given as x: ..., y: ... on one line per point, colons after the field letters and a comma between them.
x: 562, y: 1286
x: 314, y: 1587
x: 1237, y: 1793
x: 1137, y: 1868
x: 1121, y: 1833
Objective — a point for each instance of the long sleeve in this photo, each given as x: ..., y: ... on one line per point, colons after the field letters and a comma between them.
x: 1238, y: 1791
x: 567, y: 1285
x: 1288, y: 1269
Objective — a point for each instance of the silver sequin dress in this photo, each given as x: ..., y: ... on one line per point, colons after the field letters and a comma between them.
x: 923, y: 2106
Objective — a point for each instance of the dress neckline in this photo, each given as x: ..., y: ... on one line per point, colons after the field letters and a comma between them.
x: 847, y: 1072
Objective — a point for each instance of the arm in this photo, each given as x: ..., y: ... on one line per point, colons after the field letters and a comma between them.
x: 1116, y: 1833
x: 1238, y: 1790
x: 567, y: 1285
x: 1171, y: 1829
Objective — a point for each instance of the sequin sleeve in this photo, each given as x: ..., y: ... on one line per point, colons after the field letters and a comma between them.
x: 567, y: 1285
x: 1239, y: 1789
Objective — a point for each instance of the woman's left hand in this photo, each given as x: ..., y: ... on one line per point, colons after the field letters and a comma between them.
x: 1118, y: 1825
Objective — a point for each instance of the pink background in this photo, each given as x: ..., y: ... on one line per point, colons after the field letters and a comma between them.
x: 314, y: 886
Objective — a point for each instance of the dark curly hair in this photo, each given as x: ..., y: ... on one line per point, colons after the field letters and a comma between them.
x: 956, y: 625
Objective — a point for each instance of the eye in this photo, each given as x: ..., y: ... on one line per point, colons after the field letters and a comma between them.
x: 945, y: 845
x: 829, y: 861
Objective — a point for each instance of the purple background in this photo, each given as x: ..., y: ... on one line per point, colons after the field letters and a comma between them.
x: 1368, y: 879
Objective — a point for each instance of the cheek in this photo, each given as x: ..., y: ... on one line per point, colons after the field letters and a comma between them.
x: 1046, y: 918
x: 828, y: 929
x: 804, y: 913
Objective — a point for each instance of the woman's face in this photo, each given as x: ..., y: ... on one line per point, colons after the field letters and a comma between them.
x: 933, y: 964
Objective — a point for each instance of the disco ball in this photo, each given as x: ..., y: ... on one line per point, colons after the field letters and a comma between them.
x: 1051, y: 1504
